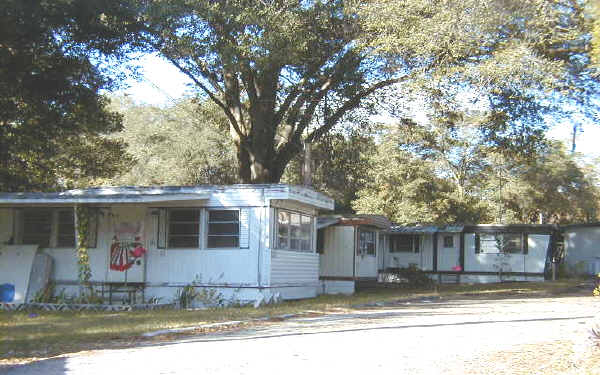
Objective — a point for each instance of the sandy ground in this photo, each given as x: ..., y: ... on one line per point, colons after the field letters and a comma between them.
x: 511, y: 336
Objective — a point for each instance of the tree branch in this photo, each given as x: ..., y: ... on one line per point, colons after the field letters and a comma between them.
x: 210, y: 94
x: 348, y: 105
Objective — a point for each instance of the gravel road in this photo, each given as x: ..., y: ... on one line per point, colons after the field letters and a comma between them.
x: 422, y: 337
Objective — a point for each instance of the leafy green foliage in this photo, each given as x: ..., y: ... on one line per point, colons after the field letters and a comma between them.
x: 340, y: 165
x: 84, y: 271
x: 411, y: 183
x: 412, y: 276
x: 50, y: 108
x: 286, y: 71
x: 185, y: 144
x: 445, y: 173
x: 281, y: 71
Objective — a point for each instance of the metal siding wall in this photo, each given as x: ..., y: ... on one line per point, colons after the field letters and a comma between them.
x: 582, y: 245
x: 204, y: 266
x: 493, y: 262
x: 535, y: 260
x: 449, y: 257
x: 294, y: 268
x: 338, y: 256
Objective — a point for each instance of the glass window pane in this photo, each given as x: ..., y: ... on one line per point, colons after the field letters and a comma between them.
x: 402, y: 243
x: 66, y: 228
x: 223, y: 241
x: 283, y: 217
x: 183, y: 241
x: 282, y: 242
x: 294, y: 244
x: 184, y: 228
x: 224, y: 215
x: 490, y: 243
x: 223, y: 228
x: 512, y: 243
x: 184, y: 215
x: 37, y: 227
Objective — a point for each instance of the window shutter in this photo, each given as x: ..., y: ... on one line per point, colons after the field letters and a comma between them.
x: 244, y: 228
x: 417, y: 243
x: 525, y: 243
x: 477, y: 244
x: 161, y: 230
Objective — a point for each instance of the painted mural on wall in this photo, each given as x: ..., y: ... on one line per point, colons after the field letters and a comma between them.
x: 127, y: 245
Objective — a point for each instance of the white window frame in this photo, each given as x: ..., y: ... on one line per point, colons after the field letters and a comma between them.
x: 276, y: 236
x: 207, y: 226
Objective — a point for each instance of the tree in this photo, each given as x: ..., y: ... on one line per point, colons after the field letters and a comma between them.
x: 286, y: 72
x: 50, y: 107
x: 424, y: 174
x: 271, y: 66
x: 552, y: 187
x: 185, y: 144
x: 450, y: 172
x: 340, y: 166
x: 596, y: 34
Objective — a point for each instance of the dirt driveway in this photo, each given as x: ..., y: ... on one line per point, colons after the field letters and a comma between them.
x: 509, y: 336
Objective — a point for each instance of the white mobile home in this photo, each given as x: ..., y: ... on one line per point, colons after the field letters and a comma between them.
x: 472, y: 253
x: 247, y: 242
x: 349, y: 247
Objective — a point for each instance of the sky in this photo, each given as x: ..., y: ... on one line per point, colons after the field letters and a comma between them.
x: 162, y: 84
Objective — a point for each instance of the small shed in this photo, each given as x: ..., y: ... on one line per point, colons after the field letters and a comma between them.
x: 245, y: 242
x: 349, y: 247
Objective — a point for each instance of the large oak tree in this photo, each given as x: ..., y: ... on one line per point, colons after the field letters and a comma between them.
x: 286, y: 72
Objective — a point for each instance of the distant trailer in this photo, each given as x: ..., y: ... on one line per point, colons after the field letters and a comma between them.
x: 470, y: 253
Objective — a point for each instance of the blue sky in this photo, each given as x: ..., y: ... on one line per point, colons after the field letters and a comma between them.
x: 162, y: 83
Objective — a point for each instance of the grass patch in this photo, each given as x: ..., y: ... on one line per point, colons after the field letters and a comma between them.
x: 53, y: 333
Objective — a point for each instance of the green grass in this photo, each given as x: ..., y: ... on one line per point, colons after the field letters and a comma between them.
x: 53, y: 333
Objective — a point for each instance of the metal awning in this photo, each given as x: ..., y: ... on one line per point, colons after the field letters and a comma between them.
x: 106, y: 195
x: 426, y: 229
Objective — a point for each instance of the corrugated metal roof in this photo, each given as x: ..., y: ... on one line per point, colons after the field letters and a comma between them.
x: 426, y: 229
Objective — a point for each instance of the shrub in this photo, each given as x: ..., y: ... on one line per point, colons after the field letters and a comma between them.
x: 413, y: 276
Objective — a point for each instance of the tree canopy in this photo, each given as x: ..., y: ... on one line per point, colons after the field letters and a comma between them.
x: 51, y: 113
x: 286, y: 72
x: 183, y: 144
x: 444, y: 174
